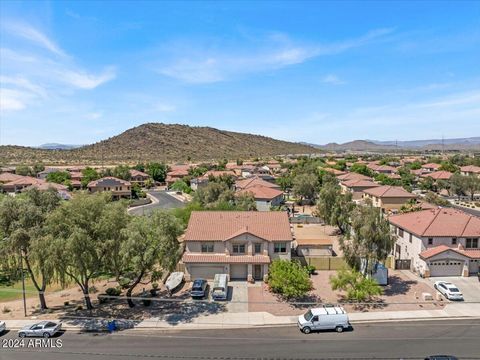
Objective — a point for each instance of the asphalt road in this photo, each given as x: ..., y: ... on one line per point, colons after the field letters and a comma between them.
x: 468, y: 210
x: 400, y: 340
x: 165, y: 201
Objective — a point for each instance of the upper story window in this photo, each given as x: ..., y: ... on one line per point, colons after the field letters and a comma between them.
x: 454, y: 241
x: 430, y: 241
x: 257, y: 248
x: 280, y: 247
x: 472, y: 243
x: 410, y: 238
x: 400, y: 232
x: 207, y: 247
x: 238, y: 248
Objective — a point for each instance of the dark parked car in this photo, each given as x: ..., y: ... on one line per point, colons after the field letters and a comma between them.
x: 199, y: 288
x: 441, y: 357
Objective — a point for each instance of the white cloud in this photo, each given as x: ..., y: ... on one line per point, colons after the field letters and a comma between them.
x: 31, y: 75
x: 206, y: 63
x: 162, y: 107
x: 84, y: 80
x: 94, y: 115
x: 35, y: 36
x: 332, y: 79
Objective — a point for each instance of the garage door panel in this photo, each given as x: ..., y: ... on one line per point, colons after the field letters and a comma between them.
x: 446, y: 268
x: 205, y: 272
x: 238, y: 271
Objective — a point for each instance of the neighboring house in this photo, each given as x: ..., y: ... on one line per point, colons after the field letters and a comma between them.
x: 21, y: 183
x: 353, y: 176
x: 335, y: 172
x: 388, y: 198
x: 138, y: 177
x: 265, y: 197
x: 7, y: 169
x: 385, y: 169
x: 314, y: 240
x: 7, y: 177
x: 438, y: 242
x: 118, y: 187
x: 254, y: 181
x: 247, y: 171
x: 239, y: 243
x: 43, y: 174
x: 430, y: 167
x: 356, y: 187
x: 470, y: 170
x: 439, y: 175
x: 175, y: 175
x: 203, y: 180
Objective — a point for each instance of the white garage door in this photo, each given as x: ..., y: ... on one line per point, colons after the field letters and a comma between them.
x: 446, y: 268
x: 205, y: 272
x: 238, y: 271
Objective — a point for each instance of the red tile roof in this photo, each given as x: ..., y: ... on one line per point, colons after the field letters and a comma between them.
x: 134, y: 172
x: 8, y: 177
x: 261, y: 192
x: 470, y: 253
x: 431, y: 166
x: 385, y: 168
x: 389, y: 191
x: 360, y: 183
x: 217, y: 173
x: 353, y: 176
x: 439, y: 175
x: 254, y: 181
x: 178, y: 173
x: 190, y: 258
x: 445, y: 222
x: 470, y: 169
x: 221, y: 225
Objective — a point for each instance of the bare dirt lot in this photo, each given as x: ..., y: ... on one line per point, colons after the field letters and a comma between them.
x: 402, y: 293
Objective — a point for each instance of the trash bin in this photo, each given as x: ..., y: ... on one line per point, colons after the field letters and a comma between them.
x: 112, y: 326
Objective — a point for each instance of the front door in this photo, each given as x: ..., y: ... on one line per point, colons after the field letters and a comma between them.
x: 257, y: 272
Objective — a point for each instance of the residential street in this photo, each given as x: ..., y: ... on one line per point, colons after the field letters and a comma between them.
x: 394, y: 340
x: 165, y: 201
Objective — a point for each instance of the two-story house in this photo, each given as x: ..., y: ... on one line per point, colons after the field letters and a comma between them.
x: 239, y: 243
x: 138, y: 177
x: 118, y: 187
x: 388, y: 198
x: 438, y: 242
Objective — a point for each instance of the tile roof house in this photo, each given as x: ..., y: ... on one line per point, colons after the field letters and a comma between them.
x: 388, y: 198
x: 438, y: 242
x: 470, y: 170
x: 238, y: 243
x: 439, y: 175
x: 430, y: 167
x: 175, y: 175
x: 254, y: 181
x: 356, y: 187
x: 138, y: 177
x: 265, y: 197
x: 353, y: 176
x: 7, y: 177
x: 118, y: 187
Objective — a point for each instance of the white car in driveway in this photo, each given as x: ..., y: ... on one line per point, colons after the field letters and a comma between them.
x: 3, y: 327
x: 447, y: 289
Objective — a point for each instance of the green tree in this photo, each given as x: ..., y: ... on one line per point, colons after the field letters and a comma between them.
x: 289, y: 278
x: 23, y: 170
x: 212, y: 193
x: 182, y: 186
x: 434, y: 199
x: 122, y: 172
x: 38, y: 167
x: 83, y: 233
x: 284, y: 181
x: 305, y: 186
x: 89, y: 174
x: 361, y: 169
x: 59, y: 177
x: 463, y: 185
x: 22, y: 222
x: 150, y: 241
x: 157, y: 171
x: 334, y: 207
x: 372, y: 240
x: 245, y: 202
x: 383, y: 179
x: 448, y: 166
x: 358, y: 287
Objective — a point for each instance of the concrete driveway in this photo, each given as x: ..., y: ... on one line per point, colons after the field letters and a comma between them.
x: 469, y: 286
x: 237, y: 297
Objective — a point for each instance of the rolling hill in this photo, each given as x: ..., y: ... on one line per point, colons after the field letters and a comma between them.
x: 159, y: 142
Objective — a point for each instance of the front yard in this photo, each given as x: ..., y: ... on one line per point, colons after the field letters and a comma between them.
x: 402, y: 293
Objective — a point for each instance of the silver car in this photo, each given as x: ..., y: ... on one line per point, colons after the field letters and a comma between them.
x: 44, y: 329
x: 3, y: 326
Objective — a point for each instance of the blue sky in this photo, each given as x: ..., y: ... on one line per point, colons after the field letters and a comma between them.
x: 78, y: 72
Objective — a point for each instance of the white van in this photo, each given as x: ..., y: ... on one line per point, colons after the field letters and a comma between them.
x: 220, y: 287
x: 324, y: 318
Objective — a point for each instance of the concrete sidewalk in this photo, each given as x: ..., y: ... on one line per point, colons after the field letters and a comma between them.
x: 254, y: 319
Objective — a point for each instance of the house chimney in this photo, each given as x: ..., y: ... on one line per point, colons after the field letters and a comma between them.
x: 460, y: 246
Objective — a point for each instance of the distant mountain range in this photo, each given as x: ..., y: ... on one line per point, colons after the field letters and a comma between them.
x: 157, y: 142
x: 472, y: 143
x: 55, y: 146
